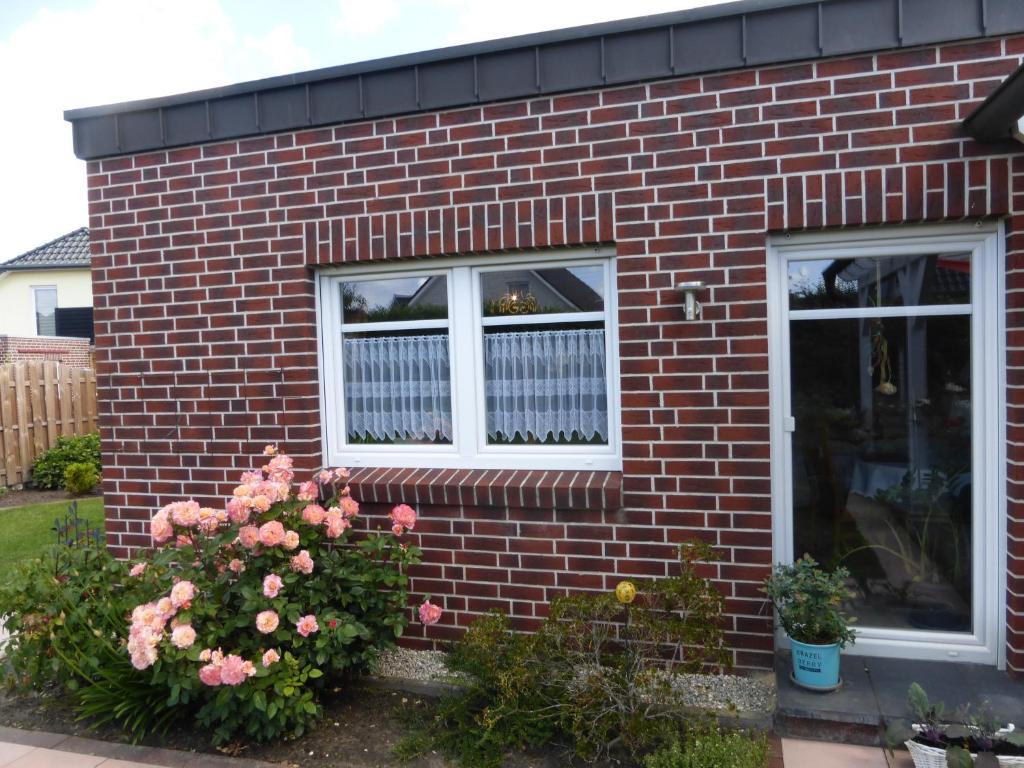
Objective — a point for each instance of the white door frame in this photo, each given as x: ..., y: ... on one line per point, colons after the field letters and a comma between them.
x: 985, y: 241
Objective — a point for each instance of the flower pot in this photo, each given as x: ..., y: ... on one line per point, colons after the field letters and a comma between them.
x: 925, y: 756
x: 815, y: 667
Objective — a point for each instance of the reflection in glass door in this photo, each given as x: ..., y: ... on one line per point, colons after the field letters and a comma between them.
x: 881, y: 395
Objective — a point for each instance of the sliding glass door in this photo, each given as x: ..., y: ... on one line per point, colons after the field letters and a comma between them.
x: 886, y: 424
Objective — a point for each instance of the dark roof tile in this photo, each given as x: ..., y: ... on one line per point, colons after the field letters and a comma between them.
x: 67, y: 251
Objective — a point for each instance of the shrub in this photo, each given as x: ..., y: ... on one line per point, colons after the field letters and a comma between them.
x: 597, y: 675
x: 709, y: 747
x: 80, y: 478
x: 243, y: 614
x: 48, y: 471
x: 62, y: 606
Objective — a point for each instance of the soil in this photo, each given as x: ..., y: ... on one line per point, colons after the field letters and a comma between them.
x: 24, y: 496
x: 359, y: 730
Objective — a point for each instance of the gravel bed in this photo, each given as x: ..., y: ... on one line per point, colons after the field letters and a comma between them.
x: 722, y: 693
x: 406, y: 664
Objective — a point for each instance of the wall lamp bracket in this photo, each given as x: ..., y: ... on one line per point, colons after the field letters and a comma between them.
x: 691, y: 307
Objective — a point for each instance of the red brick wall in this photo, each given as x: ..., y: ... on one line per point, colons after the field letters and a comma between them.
x: 76, y: 352
x: 205, y: 318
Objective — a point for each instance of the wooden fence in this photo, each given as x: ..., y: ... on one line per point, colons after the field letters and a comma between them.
x: 41, y: 400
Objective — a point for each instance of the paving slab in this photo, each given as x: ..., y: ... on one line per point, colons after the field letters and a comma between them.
x: 804, y: 753
x: 874, y: 693
x: 39, y: 749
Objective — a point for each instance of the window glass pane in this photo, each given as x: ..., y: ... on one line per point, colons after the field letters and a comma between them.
x: 546, y: 385
x: 398, y: 388
x: 543, y: 291
x: 46, y: 311
x: 394, y: 299
x: 882, y: 475
x: 880, y: 282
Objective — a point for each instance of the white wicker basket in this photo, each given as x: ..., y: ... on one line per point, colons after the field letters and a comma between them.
x: 933, y: 757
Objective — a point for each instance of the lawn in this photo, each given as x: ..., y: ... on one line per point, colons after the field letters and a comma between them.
x: 27, y: 532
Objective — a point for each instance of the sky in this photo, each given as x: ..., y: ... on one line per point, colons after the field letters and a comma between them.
x: 62, y: 54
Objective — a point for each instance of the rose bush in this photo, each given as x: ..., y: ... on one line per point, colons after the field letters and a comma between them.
x: 248, y: 611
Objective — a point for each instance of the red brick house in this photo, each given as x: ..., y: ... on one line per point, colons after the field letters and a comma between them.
x: 458, y: 272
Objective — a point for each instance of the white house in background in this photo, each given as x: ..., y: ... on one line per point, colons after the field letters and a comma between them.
x: 48, y: 291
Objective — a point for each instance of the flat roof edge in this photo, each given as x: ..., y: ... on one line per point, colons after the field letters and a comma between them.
x: 732, y: 36
x: 447, y: 53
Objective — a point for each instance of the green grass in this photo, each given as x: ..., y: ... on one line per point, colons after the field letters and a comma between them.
x: 27, y: 532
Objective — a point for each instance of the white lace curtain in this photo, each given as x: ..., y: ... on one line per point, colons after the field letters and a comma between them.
x: 546, y: 384
x: 398, y: 388
x: 539, y: 385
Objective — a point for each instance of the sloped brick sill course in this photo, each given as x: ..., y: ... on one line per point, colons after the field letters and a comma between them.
x: 527, y: 489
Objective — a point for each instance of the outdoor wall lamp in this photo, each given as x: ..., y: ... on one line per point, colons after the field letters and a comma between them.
x: 691, y: 307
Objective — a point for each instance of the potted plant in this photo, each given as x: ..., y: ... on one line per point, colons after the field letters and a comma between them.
x: 809, y: 603
x: 957, y: 740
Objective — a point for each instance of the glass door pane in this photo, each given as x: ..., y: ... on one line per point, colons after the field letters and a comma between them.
x: 882, y: 475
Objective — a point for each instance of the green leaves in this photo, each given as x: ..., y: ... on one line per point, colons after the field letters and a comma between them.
x: 809, y: 602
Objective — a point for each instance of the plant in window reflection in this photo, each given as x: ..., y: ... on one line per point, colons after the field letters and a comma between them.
x: 928, y: 532
x: 880, y: 362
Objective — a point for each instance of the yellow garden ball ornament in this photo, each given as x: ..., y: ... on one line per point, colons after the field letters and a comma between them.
x: 625, y: 592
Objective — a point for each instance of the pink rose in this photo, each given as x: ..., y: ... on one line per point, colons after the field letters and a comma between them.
x: 272, y: 533
x: 429, y: 613
x: 308, y: 491
x: 270, y: 450
x: 313, y: 514
x: 236, y: 566
x: 210, y: 675
x: 325, y: 476
x: 183, y: 513
x: 205, y: 655
x: 272, y: 584
x: 267, y: 621
x: 271, y: 657
x: 238, y: 513
x: 341, y: 474
x: 183, y: 636
x: 160, y: 527
x: 302, y: 562
x: 137, y: 570
x: 349, y: 506
x: 208, y: 520
x: 336, y: 523
x: 291, y: 540
x: 260, y: 503
x: 165, y: 607
x: 307, y: 625
x: 234, y: 671
x: 403, y: 516
x: 249, y: 536
x: 182, y: 594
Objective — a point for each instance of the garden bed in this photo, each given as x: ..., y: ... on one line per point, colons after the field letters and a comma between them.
x: 363, y: 723
x: 359, y: 730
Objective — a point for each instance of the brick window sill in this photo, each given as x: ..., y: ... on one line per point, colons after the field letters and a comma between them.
x: 524, y: 489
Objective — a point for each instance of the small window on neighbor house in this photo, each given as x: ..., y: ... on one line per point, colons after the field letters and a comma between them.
x: 486, y: 363
x: 46, y: 310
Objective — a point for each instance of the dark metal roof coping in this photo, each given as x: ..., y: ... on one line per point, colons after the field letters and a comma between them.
x: 708, y: 39
x: 996, y: 118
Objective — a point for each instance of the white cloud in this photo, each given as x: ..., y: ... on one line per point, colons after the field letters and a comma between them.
x: 112, y: 50
x: 363, y: 17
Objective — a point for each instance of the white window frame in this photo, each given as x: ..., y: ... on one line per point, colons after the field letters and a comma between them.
x: 984, y: 242
x: 469, y: 448
x: 35, y: 307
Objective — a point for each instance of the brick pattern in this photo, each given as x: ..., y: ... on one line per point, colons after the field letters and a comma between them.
x: 518, y: 224
x: 910, y: 193
x: 205, y: 313
x: 519, y: 488
x: 72, y: 351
